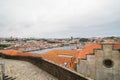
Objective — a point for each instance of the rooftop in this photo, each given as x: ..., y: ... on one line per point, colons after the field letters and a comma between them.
x: 66, y: 58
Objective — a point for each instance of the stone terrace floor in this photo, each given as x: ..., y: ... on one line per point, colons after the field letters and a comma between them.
x: 22, y: 70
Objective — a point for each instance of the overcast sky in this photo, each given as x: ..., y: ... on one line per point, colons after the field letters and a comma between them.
x: 59, y: 18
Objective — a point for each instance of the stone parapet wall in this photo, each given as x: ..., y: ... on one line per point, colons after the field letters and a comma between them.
x: 54, y: 69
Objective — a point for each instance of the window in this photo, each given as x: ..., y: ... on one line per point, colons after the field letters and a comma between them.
x: 108, y: 63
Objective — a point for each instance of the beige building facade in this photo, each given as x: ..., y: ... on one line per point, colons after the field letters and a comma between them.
x: 104, y: 64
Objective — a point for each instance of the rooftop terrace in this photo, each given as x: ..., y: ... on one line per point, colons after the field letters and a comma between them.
x: 22, y: 70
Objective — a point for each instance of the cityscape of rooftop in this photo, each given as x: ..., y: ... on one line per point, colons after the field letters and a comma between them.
x: 59, y: 40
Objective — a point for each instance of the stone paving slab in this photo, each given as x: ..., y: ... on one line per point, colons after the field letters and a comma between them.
x: 22, y: 70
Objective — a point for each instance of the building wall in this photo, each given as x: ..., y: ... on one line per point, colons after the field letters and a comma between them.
x: 104, y: 64
x: 1, y: 73
x: 1, y: 69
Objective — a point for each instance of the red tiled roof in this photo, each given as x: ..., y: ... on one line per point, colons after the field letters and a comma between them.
x: 53, y: 55
x: 13, y: 52
x: 109, y: 40
x: 117, y: 46
x: 88, y: 49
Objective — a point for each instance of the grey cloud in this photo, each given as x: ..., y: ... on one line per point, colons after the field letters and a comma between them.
x: 59, y: 18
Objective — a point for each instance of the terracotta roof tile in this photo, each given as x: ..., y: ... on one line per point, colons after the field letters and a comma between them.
x: 13, y: 52
x: 88, y: 49
x: 53, y: 56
